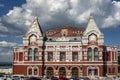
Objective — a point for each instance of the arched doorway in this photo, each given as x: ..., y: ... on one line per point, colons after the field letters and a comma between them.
x: 62, y: 72
x: 49, y: 71
x: 74, y: 72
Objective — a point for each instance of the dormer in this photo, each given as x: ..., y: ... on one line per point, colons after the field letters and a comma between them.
x: 34, y: 34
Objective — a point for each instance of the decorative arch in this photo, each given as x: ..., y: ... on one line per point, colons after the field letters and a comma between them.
x: 32, y: 38
x: 74, y: 67
x: 93, y: 32
x: 30, y: 34
x: 51, y: 67
x: 64, y: 67
x: 92, y: 37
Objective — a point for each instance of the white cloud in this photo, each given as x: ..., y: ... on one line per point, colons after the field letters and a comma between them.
x: 6, y: 50
x: 53, y: 13
x: 6, y: 54
x: 7, y: 44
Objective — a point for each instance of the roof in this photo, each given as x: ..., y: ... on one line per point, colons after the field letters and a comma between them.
x: 67, y: 31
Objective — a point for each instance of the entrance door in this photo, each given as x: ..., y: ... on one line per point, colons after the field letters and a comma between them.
x: 62, y: 72
x: 93, y: 72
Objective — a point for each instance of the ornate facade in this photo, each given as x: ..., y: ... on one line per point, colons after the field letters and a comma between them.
x: 65, y: 51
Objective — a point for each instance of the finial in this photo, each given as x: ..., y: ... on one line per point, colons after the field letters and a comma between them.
x: 35, y: 18
x: 91, y: 16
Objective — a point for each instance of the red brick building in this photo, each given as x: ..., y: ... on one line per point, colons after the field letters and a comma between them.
x: 65, y: 51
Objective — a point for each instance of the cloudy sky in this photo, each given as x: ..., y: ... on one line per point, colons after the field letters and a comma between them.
x: 17, y: 15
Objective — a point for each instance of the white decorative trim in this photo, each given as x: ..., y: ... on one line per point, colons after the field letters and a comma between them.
x: 64, y: 64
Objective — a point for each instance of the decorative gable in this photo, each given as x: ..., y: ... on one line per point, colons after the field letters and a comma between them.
x: 34, y: 34
x: 35, y: 28
x: 92, y: 28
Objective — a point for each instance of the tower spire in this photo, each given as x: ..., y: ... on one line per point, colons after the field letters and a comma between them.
x: 91, y: 10
x: 92, y: 26
x: 35, y: 27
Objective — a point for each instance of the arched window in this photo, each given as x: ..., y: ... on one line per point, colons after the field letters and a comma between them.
x: 90, y: 54
x: 95, y: 54
x: 35, y: 54
x: 35, y: 71
x: 30, y: 54
x: 74, y: 72
x: 30, y: 71
x: 62, y: 72
x: 50, y: 71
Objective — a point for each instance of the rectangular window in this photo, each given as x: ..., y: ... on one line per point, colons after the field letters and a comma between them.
x: 62, y: 56
x: 75, y: 56
x: 50, y: 56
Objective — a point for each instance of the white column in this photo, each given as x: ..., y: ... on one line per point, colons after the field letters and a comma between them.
x: 58, y: 56
x: 55, y: 54
x: 111, y: 55
x: 80, y: 54
x: 114, y: 55
x: 18, y: 56
x: 15, y: 56
x: 92, y: 54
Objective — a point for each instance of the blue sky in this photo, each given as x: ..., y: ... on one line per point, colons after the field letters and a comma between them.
x: 17, y: 15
